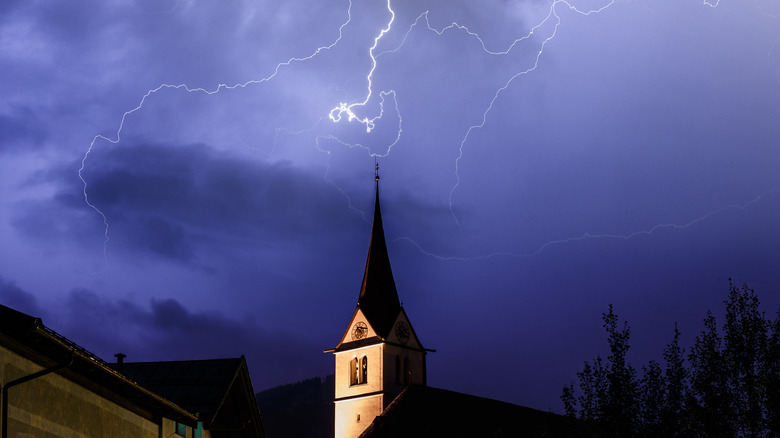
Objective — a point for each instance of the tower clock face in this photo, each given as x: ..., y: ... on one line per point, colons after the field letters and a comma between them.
x: 359, y: 331
x: 402, y: 331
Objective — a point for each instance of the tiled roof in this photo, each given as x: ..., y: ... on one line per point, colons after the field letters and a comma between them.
x: 196, y: 385
x: 218, y: 390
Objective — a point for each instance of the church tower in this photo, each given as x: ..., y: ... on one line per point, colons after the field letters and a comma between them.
x: 379, y: 353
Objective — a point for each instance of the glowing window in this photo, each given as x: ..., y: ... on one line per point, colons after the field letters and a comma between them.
x: 354, y: 369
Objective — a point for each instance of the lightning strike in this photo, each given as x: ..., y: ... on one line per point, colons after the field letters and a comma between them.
x: 551, y: 15
x: 338, y: 112
x: 655, y: 228
x: 349, y: 111
x: 117, y: 136
x: 590, y: 236
x: 332, y: 138
x: 344, y: 108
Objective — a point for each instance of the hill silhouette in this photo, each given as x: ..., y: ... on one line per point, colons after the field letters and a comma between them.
x: 298, y: 410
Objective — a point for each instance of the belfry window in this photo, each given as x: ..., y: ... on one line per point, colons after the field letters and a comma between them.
x: 353, y: 371
x: 407, y: 371
x: 358, y: 371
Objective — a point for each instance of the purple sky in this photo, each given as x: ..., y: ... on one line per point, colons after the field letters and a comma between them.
x: 539, y: 160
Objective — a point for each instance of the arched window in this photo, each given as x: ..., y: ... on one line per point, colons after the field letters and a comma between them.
x: 407, y: 371
x: 364, y: 376
x: 353, y: 371
x: 397, y: 369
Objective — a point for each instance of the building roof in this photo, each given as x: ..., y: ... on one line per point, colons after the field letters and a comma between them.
x: 378, y: 296
x: 218, y: 390
x: 27, y: 336
x: 422, y: 411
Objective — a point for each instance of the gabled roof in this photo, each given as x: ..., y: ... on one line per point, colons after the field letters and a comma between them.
x: 378, y: 297
x: 28, y: 337
x: 422, y: 411
x: 218, y: 390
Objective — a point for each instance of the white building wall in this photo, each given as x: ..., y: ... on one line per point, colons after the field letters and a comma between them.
x: 353, y: 416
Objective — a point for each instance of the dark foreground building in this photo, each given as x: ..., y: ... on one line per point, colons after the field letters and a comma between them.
x: 51, y: 387
x: 422, y: 411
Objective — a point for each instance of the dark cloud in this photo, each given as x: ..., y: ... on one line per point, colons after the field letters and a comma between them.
x: 171, y: 201
x: 21, y: 129
x: 16, y: 298
x: 167, y: 329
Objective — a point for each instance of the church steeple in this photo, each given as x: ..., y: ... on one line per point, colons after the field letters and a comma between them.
x: 378, y: 297
x: 379, y: 354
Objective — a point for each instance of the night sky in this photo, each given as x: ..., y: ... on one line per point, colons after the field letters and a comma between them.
x: 183, y: 180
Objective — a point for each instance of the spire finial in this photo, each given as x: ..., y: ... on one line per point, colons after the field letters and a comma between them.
x: 376, y: 170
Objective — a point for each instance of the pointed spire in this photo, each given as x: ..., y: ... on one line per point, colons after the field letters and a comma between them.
x: 378, y: 297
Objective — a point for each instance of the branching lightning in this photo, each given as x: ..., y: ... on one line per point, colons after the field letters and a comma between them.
x: 552, y: 16
x: 344, y: 108
x: 655, y: 228
x: 351, y: 111
x: 220, y: 87
x: 591, y: 236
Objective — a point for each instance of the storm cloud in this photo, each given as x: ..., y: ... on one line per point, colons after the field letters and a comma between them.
x: 171, y: 170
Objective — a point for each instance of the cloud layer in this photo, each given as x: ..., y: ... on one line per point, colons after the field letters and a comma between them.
x: 170, y: 170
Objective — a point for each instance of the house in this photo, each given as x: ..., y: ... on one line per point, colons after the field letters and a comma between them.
x: 219, y: 391
x: 51, y: 387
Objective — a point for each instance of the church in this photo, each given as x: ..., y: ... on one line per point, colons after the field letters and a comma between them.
x: 380, y: 374
x: 53, y: 387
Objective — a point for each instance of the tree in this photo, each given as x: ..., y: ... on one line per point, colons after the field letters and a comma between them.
x: 652, y: 401
x: 744, y: 351
x: 608, y: 390
x: 619, y: 410
x: 730, y: 388
x: 771, y: 378
x: 710, y: 405
x: 733, y: 376
x: 675, y: 421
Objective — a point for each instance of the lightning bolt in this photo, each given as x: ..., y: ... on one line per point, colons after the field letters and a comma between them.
x: 117, y: 135
x: 551, y: 17
x: 344, y: 108
x: 655, y: 228
x: 338, y: 112
x: 590, y: 236
x: 350, y: 111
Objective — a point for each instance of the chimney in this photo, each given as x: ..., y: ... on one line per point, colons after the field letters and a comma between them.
x: 120, y: 360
